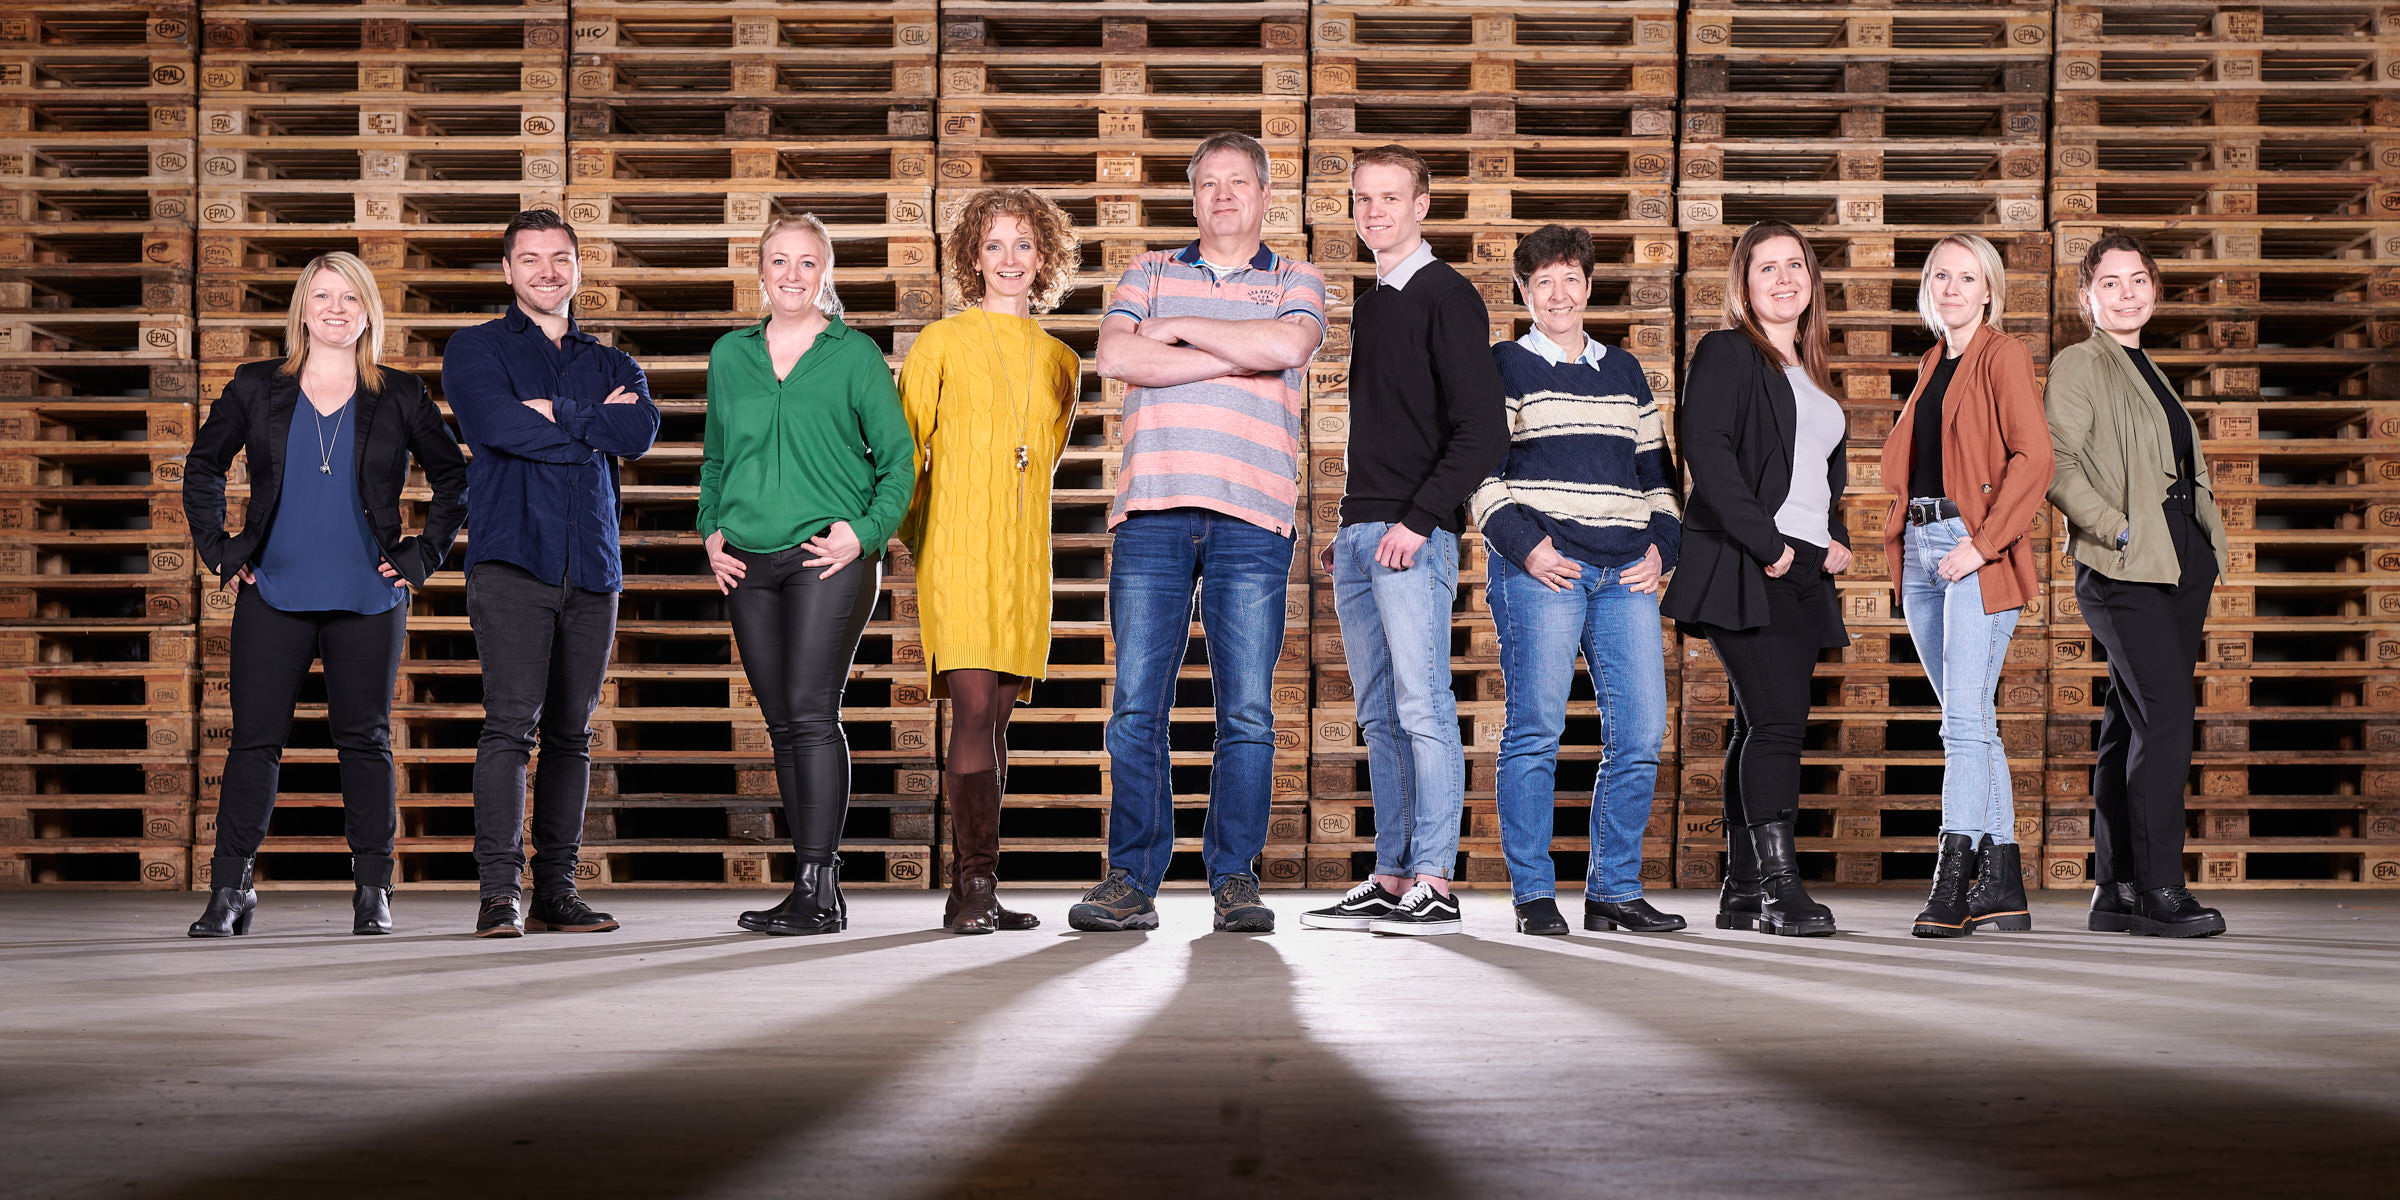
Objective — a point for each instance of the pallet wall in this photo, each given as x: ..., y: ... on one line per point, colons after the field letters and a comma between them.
x: 166, y: 167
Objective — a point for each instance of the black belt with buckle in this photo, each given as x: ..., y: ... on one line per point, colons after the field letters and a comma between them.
x: 1926, y: 512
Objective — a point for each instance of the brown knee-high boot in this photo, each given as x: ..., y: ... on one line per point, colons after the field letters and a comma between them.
x: 974, y: 905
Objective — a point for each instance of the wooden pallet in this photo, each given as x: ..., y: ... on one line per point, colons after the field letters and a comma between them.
x: 1645, y: 28
x: 1806, y: 31
x: 102, y: 866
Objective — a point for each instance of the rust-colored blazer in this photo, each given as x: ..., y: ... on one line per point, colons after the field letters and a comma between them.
x: 1996, y: 462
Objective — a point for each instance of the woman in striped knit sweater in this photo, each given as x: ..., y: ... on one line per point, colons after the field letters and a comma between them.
x: 1581, y: 524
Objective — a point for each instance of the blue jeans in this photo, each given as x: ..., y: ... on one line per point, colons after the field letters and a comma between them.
x: 1963, y: 648
x: 1540, y: 630
x: 1241, y: 571
x: 1396, y: 636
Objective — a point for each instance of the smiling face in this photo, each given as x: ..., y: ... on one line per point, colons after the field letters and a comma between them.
x: 541, y: 269
x: 1779, y: 281
x: 791, y: 269
x: 2122, y: 295
x: 333, y: 311
x: 1009, y: 259
x: 1556, y: 295
x: 1228, y: 196
x: 1386, y: 206
x: 1954, y: 282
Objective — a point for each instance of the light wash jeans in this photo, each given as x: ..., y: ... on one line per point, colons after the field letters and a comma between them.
x: 1540, y: 630
x: 1396, y: 636
x: 1963, y: 648
x: 1241, y: 571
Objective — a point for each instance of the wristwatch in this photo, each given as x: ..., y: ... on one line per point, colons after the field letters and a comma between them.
x: 2124, y: 536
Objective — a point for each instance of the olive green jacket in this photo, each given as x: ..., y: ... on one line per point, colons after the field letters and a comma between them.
x: 2116, y: 458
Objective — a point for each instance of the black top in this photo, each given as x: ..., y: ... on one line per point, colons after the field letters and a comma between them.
x: 1736, y: 429
x: 1427, y: 419
x: 2179, y: 426
x: 1925, y: 456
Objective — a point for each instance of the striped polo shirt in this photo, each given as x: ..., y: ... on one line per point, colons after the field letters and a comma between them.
x: 1231, y: 444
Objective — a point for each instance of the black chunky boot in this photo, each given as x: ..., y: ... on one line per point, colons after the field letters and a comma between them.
x: 230, y: 899
x: 1789, y: 912
x: 371, y: 901
x: 2112, y: 908
x: 1945, y: 914
x: 1740, y: 903
x: 815, y: 905
x: 2172, y: 912
x: 1997, y: 901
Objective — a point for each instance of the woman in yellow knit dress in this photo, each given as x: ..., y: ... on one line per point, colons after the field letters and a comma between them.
x: 990, y: 398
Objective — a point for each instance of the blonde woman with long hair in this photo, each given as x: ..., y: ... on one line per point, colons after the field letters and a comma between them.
x: 990, y: 398
x: 321, y: 567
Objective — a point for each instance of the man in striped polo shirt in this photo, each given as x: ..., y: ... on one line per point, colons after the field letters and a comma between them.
x: 1213, y: 339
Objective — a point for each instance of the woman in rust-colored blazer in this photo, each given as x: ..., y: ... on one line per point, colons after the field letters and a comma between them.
x: 1968, y: 464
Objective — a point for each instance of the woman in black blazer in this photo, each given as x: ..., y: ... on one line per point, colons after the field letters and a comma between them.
x: 320, y: 569
x: 1763, y: 444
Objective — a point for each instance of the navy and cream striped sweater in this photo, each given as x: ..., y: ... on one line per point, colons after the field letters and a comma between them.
x: 1587, y: 461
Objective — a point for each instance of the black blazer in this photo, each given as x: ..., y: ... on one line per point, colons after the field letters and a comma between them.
x: 1735, y: 427
x: 254, y: 416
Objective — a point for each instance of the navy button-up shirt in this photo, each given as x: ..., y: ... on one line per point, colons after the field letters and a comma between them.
x: 543, y: 494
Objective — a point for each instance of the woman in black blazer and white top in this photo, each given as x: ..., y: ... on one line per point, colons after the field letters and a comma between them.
x: 320, y: 567
x: 1763, y: 444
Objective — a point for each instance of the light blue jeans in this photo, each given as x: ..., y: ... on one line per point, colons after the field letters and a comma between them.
x: 1396, y: 636
x: 1963, y: 648
x: 1540, y: 630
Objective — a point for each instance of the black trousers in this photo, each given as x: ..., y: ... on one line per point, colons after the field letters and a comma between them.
x: 2152, y: 635
x: 1769, y: 668
x: 544, y: 649
x: 798, y: 634
x: 272, y: 651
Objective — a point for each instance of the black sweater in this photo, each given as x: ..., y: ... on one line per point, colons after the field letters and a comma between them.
x: 1427, y: 418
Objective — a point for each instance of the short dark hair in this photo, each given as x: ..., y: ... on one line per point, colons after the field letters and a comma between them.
x: 1554, y: 244
x: 531, y: 220
x: 2114, y: 239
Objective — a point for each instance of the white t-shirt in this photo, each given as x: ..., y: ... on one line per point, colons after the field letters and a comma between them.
x: 1807, y: 507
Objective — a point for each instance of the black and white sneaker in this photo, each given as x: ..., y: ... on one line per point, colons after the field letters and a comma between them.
x: 1356, y: 912
x: 1422, y: 912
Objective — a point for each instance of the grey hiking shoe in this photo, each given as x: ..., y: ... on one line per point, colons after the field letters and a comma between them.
x: 1238, y: 909
x: 1114, y: 905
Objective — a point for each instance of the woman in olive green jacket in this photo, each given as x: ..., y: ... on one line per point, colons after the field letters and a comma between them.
x: 2148, y: 546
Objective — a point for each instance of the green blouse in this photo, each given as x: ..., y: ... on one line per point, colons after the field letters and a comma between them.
x: 785, y: 458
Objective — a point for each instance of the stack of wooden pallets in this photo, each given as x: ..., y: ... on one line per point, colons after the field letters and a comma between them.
x: 2256, y: 149
x: 1876, y: 129
x: 1100, y: 106
x: 1527, y: 115
x: 97, y: 708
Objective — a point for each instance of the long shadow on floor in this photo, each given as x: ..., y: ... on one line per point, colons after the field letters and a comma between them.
x: 2081, y: 1125
x: 1222, y: 1093
x: 677, y: 1123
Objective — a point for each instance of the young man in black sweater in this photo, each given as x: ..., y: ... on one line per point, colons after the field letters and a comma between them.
x: 1427, y: 424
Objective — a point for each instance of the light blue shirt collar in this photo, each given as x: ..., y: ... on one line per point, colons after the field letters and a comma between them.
x: 1540, y: 343
x: 1398, y: 275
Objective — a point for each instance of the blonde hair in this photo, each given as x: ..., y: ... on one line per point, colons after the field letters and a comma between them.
x: 361, y: 279
x: 1813, y: 340
x: 1053, y: 238
x: 1995, y: 282
x: 827, y: 302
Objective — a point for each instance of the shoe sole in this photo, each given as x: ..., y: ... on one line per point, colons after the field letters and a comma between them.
x: 1252, y: 923
x: 1561, y: 931
x: 369, y: 932
x: 1338, y: 924
x: 2111, y: 923
x: 836, y: 927
x: 1797, y: 930
x: 533, y: 926
x: 1740, y: 921
x: 499, y: 931
x: 1130, y: 923
x: 2144, y: 927
x: 1416, y: 928
x: 2007, y: 922
x: 1604, y: 925
x: 1935, y: 929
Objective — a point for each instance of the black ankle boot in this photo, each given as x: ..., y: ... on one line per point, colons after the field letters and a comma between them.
x: 1540, y: 918
x: 371, y: 902
x: 815, y: 905
x: 2112, y: 908
x: 1945, y: 914
x: 1740, y: 903
x: 1789, y: 912
x: 1997, y: 901
x: 230, y: 899
x: 1634, y: 916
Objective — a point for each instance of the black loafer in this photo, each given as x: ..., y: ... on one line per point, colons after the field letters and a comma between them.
x: 1635, y: 916
x: 1540, y: 918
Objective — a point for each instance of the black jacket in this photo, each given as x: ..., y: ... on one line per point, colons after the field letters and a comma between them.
x: 1734, y: 429
x: 254, y: 416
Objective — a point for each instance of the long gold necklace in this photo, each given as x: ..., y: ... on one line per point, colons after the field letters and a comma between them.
x: 1024, y: 399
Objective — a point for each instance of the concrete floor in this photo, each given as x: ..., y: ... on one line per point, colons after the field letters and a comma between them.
x: 678, y: 1057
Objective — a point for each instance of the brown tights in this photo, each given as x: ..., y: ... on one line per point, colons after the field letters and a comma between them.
x: 980, y: 703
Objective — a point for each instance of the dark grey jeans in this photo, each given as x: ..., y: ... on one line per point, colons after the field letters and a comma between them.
x: 545, y: 650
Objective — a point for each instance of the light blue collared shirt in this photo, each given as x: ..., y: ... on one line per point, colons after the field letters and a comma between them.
x: 1540, y: 343
x: 1406, y: 269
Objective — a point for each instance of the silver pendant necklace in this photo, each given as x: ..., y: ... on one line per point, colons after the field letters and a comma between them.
x: 324, y: 449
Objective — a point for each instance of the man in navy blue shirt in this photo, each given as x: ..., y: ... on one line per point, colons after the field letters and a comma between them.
x: 547, y: 411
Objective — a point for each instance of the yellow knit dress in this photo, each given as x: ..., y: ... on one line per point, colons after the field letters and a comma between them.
x: 982, y: 552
